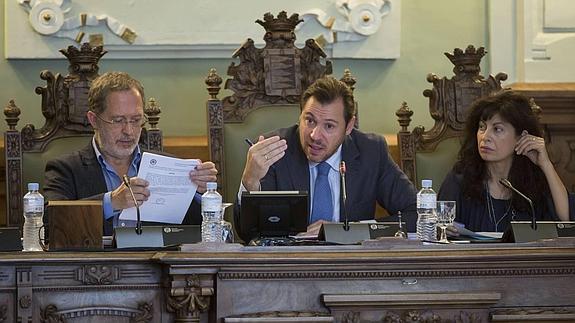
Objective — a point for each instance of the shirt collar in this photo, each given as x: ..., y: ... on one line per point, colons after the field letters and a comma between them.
x: 136, y: 156
x: 333, y: 160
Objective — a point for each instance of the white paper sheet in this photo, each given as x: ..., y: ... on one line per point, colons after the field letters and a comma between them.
x: 171, y: 190
x: 476, y: 235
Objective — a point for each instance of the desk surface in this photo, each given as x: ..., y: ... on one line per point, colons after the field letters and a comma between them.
x: 379, y: 280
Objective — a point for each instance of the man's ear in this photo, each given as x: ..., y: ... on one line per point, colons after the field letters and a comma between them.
x: 349, y: 126
x: 92, y: 119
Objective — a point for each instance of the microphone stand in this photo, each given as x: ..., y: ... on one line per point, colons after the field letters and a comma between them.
x: 506, y: 183
x: 346, y: 233
x: 138, y: 220
x: 343, y: 195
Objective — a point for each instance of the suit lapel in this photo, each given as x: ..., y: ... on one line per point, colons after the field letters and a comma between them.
x: 90, y: 163
x: 298, y: 165
x: 350, y: 155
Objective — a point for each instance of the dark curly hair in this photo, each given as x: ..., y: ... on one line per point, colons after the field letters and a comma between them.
x: 524, y: 174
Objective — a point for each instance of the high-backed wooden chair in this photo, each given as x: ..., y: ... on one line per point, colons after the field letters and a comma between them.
x: 432, y: 153
x: 274, y: 78
x: 64, y: 105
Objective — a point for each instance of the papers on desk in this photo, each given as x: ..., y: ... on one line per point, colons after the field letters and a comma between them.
x: 171, y: 190
x: 468, y: 234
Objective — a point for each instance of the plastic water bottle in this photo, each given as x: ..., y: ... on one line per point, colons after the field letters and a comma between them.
x: 426, y: 217
x: 33, y: 213
x: 212, y: 214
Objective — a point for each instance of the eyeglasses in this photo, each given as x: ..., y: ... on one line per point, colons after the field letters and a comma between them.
x: 121, y: 122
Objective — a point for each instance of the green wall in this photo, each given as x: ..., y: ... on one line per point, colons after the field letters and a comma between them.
x: 428, y: 28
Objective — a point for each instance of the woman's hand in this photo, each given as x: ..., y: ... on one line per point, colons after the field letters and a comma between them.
x: 534, y: 148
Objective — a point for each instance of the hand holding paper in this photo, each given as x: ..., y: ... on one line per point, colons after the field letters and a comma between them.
x: 170, y: 186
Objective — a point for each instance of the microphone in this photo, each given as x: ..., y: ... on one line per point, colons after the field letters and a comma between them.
x: 506, y: 183
x: 343, y: 194
x: 138, y: 220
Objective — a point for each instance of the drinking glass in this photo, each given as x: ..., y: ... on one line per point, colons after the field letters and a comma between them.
x: 400, y: 233
x: 227, y: 230
x: 445, y: 215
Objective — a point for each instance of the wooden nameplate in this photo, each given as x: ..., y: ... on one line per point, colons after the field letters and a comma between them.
x: 75, y: 224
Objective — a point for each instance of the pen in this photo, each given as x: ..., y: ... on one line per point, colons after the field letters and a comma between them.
x: 249, y: 142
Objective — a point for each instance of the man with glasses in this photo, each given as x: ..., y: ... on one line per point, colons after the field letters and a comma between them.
x: 116, y: 113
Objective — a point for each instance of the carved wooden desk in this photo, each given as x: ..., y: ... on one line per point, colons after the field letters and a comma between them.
x: 372, y: 283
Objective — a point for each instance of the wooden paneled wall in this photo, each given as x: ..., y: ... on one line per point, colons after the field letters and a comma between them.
x: 557, y: 102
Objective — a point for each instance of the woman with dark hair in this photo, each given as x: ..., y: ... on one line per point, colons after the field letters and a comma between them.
x: 503, y: 139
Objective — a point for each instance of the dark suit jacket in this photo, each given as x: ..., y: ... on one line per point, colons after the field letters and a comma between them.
x: 78, y: 176
x: 372, y: 176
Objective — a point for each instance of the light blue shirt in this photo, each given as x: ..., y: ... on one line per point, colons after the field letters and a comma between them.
x: 114, y: 180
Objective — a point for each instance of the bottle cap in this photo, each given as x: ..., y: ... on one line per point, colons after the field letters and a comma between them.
x: 212, y: 185
x: 33, y: 186
x: 426, y: 183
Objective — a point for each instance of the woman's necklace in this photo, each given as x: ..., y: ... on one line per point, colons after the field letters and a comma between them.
x: 491, y: 210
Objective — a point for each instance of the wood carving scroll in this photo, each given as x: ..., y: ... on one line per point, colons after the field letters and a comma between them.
x: 152, y: 138
x: 215, y: 124
x: 98, y: 274
x: 415, y: 316
x: 449, y: 100
x: 143, y: 314
x: 275, y: 74
x: 189, y: 301
x: 65, y: 98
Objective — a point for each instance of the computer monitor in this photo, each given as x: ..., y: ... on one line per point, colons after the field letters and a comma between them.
x: 273, y: 214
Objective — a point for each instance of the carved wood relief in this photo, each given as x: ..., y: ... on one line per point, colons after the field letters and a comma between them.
x: 449, y: 100
x: 274, y: 75
x: 24, y: 294
x: 533, y: 314
x: 142, y: 314
x: 189, y: 298
x: 415, y: 316
x: 98, y: 274
x: 346, y: 275
x: 473, y: 283
x: 285, y: 316
x: 356, y: 29
x: 64, y: 107
x: 557, y: 102
x: 3, y: 312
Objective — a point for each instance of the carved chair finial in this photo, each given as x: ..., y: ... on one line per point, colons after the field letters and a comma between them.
x: 348, y: 79
x: 83, y: 61
x: 213, y: 81
x: 152, y: 111
x: 535, y: 108
x: 12, y: 113
x: 466, y: 62
x: 281, y: 23
x: 404, y: 116
x: 280, y: 30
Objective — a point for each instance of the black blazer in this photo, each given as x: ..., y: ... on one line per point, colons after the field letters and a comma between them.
x: 372, y: 176
x: 78, y: 176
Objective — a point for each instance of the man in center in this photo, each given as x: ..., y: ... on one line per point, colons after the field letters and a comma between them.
x: 307, y: 156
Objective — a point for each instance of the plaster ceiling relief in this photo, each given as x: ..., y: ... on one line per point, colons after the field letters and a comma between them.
x: 52, y: 18
x: 357, y: 19
x: 155, y: 29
